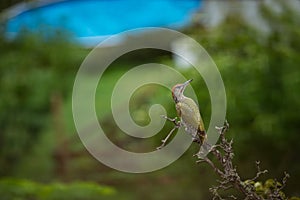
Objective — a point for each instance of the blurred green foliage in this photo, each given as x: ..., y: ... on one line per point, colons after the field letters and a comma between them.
x: 270, y: 186
x: 262, y: 79
x: 11, y: 189
x: 267, y: 187
x: 31, y: 72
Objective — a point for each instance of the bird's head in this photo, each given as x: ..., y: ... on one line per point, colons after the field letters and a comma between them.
x: 178, y: 89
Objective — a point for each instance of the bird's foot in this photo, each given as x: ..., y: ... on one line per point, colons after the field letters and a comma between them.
x: 174, y: 120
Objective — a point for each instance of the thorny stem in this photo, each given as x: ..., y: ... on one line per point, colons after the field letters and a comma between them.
x: 259, y: 172
x: 278, y: 187
x: 228, y: 173
x: 205, y: 159
x: 229, y: 177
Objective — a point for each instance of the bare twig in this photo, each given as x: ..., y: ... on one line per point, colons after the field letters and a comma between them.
x: 228, y: 173
x: 226, y: 170
x: 177, y: 125
x: 217, y: 170
x: 276, y: 193
x: 233, y: 197
x: 259, y: 172
x: 284, y: 181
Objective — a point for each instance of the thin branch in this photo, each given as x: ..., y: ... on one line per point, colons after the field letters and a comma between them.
x: 226, y: 170
x: 229, y: 176
x: 177, y: 125
x: 164, y: 141
x: 233, y: 197
x: 284, y: 180
x: 207, y: 160
x: 259, y: 172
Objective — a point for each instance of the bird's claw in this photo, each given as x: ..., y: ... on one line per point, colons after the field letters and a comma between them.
x: 168, y: 118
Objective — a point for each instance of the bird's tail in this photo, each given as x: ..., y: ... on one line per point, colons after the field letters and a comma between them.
x: 200, y: 137
x: 206, y: 146
x: 204, y: 149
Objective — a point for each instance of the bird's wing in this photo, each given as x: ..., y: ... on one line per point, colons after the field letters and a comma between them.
x: 190, y: 114
x: 178, y: 106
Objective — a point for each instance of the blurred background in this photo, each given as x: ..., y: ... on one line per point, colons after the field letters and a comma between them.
x: 255, y: 45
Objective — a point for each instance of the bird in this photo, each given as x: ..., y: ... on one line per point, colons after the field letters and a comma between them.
x: 189, y: 113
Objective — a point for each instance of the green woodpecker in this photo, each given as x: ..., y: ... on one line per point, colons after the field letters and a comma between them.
x: 189, y: 113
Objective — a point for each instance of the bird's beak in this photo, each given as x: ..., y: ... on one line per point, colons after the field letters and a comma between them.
x: 187, y: 82
x: 183, y: 86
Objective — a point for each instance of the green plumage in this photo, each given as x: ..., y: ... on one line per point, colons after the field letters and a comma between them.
x: 189, y: 113
x: 190, y: 116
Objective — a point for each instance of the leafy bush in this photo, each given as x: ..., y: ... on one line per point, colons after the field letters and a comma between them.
x: 15, y: 189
